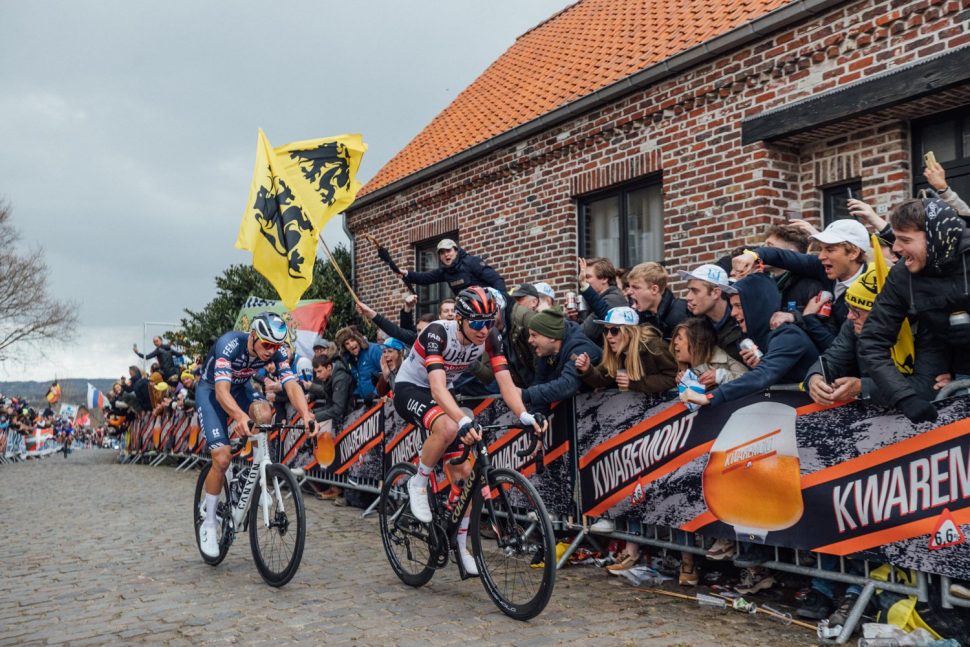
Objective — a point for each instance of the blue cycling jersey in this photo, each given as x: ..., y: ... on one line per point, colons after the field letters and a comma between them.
x: 229, y: 361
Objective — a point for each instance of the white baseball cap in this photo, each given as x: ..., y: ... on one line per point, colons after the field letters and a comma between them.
x: 446, y: 243
x: 545, y: 290
x: 845, y: 230
x: 713, y: 274
x: 620, y: 316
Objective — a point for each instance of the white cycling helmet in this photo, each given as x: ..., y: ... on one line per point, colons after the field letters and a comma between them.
x: 269, y: 327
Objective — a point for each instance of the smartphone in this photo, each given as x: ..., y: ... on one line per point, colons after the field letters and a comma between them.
x: 929, y: 158
x: 848, y: 191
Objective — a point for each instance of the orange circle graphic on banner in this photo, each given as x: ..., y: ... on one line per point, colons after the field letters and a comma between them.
x: 326, y: 450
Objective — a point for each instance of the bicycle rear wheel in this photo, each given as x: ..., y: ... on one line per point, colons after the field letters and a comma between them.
x: 405, y: 538
x: 223, y: 518
x: 278, y: 549
x: 517, y: 559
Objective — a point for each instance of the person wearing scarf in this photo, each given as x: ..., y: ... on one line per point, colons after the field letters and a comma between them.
x: 930, y: 286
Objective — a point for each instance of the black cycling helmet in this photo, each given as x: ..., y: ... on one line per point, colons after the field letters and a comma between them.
x: 269, y: 327
x: 475, y: 304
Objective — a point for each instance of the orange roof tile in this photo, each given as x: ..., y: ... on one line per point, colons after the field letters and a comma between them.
x: 583, y: 48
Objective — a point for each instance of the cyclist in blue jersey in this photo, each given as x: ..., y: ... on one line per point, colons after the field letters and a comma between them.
x: 225, y: 392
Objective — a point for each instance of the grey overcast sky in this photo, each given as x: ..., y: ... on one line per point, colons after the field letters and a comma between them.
x: 128, y: 133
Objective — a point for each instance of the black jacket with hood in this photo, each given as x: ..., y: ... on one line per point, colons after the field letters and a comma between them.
x: 465, y: 271
x: 927, y: 298
x: 788, y: 351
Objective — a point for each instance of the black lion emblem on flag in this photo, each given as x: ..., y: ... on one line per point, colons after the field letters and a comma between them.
x: 282, y: 223
x: 328, y: 167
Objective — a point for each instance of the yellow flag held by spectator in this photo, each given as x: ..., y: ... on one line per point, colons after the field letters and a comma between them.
x: 904, y: 351
x: 296, y: 189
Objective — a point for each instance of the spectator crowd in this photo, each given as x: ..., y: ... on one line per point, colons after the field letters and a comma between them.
x: 801, y: 306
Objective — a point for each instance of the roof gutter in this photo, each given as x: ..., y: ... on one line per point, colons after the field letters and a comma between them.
x: 737, y: 37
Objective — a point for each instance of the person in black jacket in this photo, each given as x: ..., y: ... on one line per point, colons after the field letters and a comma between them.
x: 646, y: 292
x: 331, y: 390
x: 845, y: 244
x: 458, y: 269
x: 597, y: 279
x: 787, y: 352
x: 838, y: 374
x: 166, y: 357
x: 796, y: 289
x: 653, y: 300
x: 558, y: 343
x: 930, y: 286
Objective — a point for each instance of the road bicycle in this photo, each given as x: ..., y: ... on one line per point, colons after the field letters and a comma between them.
x: 511, y: 532
x: 276, y: 524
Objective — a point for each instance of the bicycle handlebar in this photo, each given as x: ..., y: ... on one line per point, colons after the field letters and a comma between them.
x: 271, y: 426
x: 521, y: 454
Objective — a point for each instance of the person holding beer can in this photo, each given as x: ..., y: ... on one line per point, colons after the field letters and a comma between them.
x: 786, y: 352
x: 842, y: 260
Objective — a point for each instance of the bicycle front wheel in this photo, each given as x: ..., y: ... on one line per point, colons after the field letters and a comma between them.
x: 405, y: 538
x: 278, y: 548
x: 516, y: 555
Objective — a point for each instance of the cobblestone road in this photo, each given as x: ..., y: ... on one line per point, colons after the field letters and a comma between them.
x: 95, y: 553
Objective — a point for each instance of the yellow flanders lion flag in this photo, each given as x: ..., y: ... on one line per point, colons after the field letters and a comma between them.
x: 296, y: 189
x: 903, y: 352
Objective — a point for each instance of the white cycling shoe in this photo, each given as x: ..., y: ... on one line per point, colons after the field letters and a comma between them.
x: 420, y: 507
x: 207, y: 540
x: 468, y: 561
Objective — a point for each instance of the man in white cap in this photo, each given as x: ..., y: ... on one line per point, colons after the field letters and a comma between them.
x: 458, y: 269
x: 842, y: 259
x: 706, y: 297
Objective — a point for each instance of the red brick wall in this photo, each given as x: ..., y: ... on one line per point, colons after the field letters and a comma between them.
x: 517, y: 206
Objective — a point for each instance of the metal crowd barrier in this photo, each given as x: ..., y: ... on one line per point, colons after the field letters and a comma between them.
x: 591, y: 427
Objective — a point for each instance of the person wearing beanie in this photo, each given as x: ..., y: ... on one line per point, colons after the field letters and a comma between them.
x: 557, y: 343
x: 839, y: 375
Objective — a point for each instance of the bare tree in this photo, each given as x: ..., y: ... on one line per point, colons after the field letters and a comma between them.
x: 27, y: 312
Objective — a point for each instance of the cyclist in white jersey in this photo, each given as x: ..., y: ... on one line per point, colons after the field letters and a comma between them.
x: 422, y: 395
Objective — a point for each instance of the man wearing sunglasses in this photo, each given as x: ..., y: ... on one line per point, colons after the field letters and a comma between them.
x: 226, y: 392
x: 422, y: 393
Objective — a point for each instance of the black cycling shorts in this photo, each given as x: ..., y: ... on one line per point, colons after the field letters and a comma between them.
x: 415, y: 404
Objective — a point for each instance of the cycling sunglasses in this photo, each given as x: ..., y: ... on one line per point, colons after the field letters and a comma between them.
x: 269, y: 345
x: 483, y: 324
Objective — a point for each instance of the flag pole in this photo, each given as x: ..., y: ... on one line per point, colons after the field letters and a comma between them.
x: 340, y: 273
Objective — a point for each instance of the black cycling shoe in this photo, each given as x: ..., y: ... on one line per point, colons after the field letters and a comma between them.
x: 816, y: 607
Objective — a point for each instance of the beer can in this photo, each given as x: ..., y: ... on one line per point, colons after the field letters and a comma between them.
x: 747, y: 344
x: 826, y: 298
x: 571, y: 301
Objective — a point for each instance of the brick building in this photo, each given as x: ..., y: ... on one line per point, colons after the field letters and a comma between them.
x: 673, y: 130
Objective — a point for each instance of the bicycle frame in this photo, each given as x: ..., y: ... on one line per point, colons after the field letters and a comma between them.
x: 260, y: 461
x: 477, y: 478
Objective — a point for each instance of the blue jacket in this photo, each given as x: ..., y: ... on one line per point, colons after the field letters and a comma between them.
x: 363, y: 367
x: 822, y: 330
x: 788, y: 351
x: 466, y: 271
x: 556, y: 377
